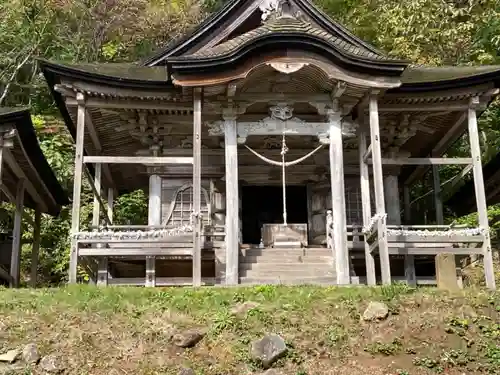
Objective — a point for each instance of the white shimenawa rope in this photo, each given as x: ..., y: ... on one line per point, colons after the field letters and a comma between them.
x: 283, y: 165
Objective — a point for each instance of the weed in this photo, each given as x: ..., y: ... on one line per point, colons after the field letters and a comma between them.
x: 390, y: 348
x: 429, y: 363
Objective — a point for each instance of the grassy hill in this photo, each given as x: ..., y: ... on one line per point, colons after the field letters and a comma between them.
x: 85, y: 330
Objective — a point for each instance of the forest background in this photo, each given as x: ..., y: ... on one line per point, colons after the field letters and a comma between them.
x: 432, y: 32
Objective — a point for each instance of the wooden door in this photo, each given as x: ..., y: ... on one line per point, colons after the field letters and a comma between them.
x: 319, y: 201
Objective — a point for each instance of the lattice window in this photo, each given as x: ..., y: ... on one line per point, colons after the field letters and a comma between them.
x: 354, y: 213
x: 181, y: 207
x: 354, y: 209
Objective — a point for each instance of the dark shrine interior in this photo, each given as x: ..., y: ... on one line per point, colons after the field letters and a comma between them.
x: 264, y: 205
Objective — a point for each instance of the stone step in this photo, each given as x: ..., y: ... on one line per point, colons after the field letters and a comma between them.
x: 287, y: 252
x: 277, y: 259
x: 286, y: 267
x: 272, y: 280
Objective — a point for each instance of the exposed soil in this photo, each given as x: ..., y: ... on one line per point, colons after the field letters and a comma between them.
x: 130, y: 330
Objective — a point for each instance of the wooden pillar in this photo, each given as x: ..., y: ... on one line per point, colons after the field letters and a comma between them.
x: 154, y: 219
x: 379, y: 191
x: 232, y: 197
x: 35, y: 249
x: 410, y: 274
x: 366, y: 206
x: 197, y: 219
x: 480, y: 193
x: 437, y: 195
x: 15, y: 262
x: 338, y: 198
x: 77, y: 187
x: 96, y: 208
x: 102, y: 263
x: 393, y: 205
x: 110, y: 204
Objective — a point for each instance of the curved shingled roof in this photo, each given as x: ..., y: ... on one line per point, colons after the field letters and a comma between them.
x: 232, y: 10
x: 32, y: 161
x: 286, y: 25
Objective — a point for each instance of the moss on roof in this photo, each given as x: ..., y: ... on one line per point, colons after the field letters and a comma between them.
x: 124, y: 71
x: 425, y: 74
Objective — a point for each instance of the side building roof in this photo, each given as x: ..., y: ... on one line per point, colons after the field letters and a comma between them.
x: 25, y: 159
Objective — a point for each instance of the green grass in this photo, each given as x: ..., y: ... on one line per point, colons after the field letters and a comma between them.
x: 128, y: 330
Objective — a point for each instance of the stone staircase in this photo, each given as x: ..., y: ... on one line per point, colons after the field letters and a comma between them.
x: 292, y: 266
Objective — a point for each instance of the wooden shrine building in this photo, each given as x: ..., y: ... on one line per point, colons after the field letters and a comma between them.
x: 275, y: 146
x: 26, y: 180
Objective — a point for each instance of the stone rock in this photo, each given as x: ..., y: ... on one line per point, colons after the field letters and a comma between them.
x: 30, y: 354
x: 376, y: 311
x: 188, y: 339
x: 187, y: 371
x: 268, y: 349
x: 10, y: 356
x: 244, y: 307
x: 15, y: 368
x: 50, y: 364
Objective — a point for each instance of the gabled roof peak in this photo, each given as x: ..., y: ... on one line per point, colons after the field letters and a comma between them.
x: 221, y: 25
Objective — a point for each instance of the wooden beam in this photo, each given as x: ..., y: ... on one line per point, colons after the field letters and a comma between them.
x: 424, y: 161
x: 77, y: 187
x: 367, y: 153
x: 456, y: 106
x: 379, y: 191
x: 154, y: 218
x: 451, y: 136
x: 197, y: 219
x: 366, y: 207
x: 137, y: 160
x: 338, y: 198
x: 35, y: 249
x: 1, y: 160
x: 232, y: 197
x: 97, y: 145
x: 15, y: 262
x: 482, y: 212
x: 110, y: 204
x: 96, y: 209
x: 409, y: 260
x: 109, y: 103
x: 436, y: 180
x: 32, y: 191
x: 97, y: 194
x: 12, y: 199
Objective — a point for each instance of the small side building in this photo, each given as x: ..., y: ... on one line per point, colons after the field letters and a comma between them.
x: 26, y: 180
